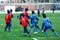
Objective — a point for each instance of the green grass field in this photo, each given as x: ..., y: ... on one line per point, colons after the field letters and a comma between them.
x: 16, y: 32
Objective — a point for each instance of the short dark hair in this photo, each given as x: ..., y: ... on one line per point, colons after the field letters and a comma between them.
x: 11, y: 10
x: 33, y: 12
x: 44, y: 15
x: 26, y: 9
x: 8, y: 11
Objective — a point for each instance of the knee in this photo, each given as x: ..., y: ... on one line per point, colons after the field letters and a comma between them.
x: 52, y: 30
x: 31, y: 27
x: 44, y: 30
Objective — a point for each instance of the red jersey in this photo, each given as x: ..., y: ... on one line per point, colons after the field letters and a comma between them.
x: 8, y: 18
x: 10, y: 13
x: 24, y: 22
x: 26, y: 13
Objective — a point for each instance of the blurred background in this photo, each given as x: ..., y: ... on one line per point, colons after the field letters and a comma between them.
x: 20, y: 5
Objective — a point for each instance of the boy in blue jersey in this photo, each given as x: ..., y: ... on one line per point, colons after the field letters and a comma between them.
x: 46, y: 24
x: 34, y: 22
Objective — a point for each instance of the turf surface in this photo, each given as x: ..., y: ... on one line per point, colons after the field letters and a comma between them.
x: 16, y: 32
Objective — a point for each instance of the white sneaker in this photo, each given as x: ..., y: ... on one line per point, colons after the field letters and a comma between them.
x: 35, y: 39
x: 35, y: 32
x: 42, y: 31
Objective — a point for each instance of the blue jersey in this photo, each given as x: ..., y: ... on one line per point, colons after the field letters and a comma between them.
x: 34, y: 18
x: 46, y: 22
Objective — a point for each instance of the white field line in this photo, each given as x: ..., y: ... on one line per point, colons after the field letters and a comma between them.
x: 48, y: 37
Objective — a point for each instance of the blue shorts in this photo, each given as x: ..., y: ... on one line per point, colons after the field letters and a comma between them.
x: 10, y: 25
x: 34, y: 24
x: 46, y: 28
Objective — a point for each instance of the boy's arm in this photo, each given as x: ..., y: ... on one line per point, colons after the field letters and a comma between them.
x: 20, y: 22
x: 43, y: 27
x: 37, y: 18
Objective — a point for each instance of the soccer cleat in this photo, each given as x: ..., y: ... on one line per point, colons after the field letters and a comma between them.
x: 42, y: 31
x: 35, y: 32
x: 35, y: 39
x: 29, y: 35
x: 25, y: 34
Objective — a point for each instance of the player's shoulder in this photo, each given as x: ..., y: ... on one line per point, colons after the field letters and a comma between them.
x: 34, y: 14
x: 47, y: 18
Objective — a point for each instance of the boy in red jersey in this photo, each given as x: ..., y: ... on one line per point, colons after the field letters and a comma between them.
x: 8, y: 21
x: 26, y: 13
x: 24, y: 22
x: 11, y: 13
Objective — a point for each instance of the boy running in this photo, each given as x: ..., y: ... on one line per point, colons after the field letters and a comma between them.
x: 8, y: 21
x: 46, y: 24
x: 34, y: 22
x: 24, y: 22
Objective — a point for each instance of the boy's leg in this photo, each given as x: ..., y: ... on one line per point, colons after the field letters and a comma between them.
x: 9, y: 26
x: 53, y: 11
x: 35, y: 30
x: 45, y: 32
x: 38, y: 27
x: 25, y: 30
x: 31, y: 29
x: 6, y: 27
x: 54, y: 32
x: 9, y: 29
